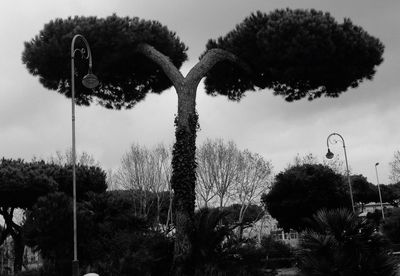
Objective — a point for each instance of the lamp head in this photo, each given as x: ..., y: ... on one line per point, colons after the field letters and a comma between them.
x: 329, y: 154
x: 90, y: 80
x: 377, y: 164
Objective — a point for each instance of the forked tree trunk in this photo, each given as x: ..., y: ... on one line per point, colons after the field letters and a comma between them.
x: 183, y: 181
x: 183, y: 178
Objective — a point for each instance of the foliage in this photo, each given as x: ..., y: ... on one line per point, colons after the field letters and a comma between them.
x: 183, y: 180
x: 218, y: 252
x: 391, y: 193
x: 363, y: 191
x: 155, y: 214
x: 276, y: 249
x: 340, y: 243
x: 252, y: 215
x: 126, y: 76
x: 209, y: 234
x: 109, y: 232
x: 297, y: 53
x: 21, y: 183
x: 278, y: 254
x: 88, y: 179
x: 151, y: 254
x: 300, y: 191
x: 391, y: 226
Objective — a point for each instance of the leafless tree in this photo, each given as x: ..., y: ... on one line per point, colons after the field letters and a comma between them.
x: 253, y: 178
x: 395, y: 167
x: 146, y: 172
x: 217, y: 168
x: 160, y: 159
x: 205, y: 186
x: 63, y: 158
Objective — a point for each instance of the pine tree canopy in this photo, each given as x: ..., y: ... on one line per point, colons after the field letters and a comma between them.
x: 297, y: 53
x: 126, y: 76
x: 22, y: 183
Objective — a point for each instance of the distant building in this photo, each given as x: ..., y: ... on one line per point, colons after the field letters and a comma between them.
x: 291, y: 238
x: 269, y: 226
x: 372, y: 207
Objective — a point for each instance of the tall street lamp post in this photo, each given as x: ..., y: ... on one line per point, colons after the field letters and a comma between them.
x: 90, y: 81
x: 330, y: 155
x: 379, y: 190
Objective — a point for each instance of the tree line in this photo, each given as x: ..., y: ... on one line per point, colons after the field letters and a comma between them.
x: 136, y: 210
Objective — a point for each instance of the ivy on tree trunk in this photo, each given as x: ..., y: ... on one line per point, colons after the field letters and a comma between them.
x: 183, y: 179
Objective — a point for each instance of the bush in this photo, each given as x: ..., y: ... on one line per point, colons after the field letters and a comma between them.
x: 341, y: 243
x: 36, y: 272
x: 29, y: 273
x: 146, y: 254
x: 278, y: 254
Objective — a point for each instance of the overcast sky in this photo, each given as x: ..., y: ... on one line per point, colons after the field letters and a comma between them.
x: 37, y: 122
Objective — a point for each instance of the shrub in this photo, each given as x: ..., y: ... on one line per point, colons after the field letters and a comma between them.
x: 340, y: 243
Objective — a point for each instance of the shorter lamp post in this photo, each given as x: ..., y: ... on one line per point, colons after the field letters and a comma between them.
x: 330, y: 155
x: 90, y: 81
x: 379, y: 190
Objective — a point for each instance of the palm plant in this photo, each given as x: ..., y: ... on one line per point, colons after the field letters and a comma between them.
x: 339, y: 243
x: 217, y: 251
x: 209, y: 234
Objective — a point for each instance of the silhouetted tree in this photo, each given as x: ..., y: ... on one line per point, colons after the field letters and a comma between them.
x: 106, y: 225
x: 391, y: 227
x: 21, y: 184
x: 300, y: 191
x: 297, y: 53
x: 363, y: 191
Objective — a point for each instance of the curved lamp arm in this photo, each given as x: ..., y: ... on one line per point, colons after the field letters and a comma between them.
x: 330, y: 155
x: 82, y: 50
x: 332, y: 134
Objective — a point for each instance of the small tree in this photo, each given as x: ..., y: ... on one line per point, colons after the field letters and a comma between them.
x: 363, y: 191
x: 253, y: 179
x: 391, y: 227
x: 21, y: 184
x: 146, y: 172
x: 300, y: 191
x: 110, y: 233
x: 217, y: 171
x: 296, y: 53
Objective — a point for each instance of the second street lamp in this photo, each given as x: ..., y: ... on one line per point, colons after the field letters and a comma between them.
x: 330, y: 155
x: 379, y: 190
x: 90, y: 81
